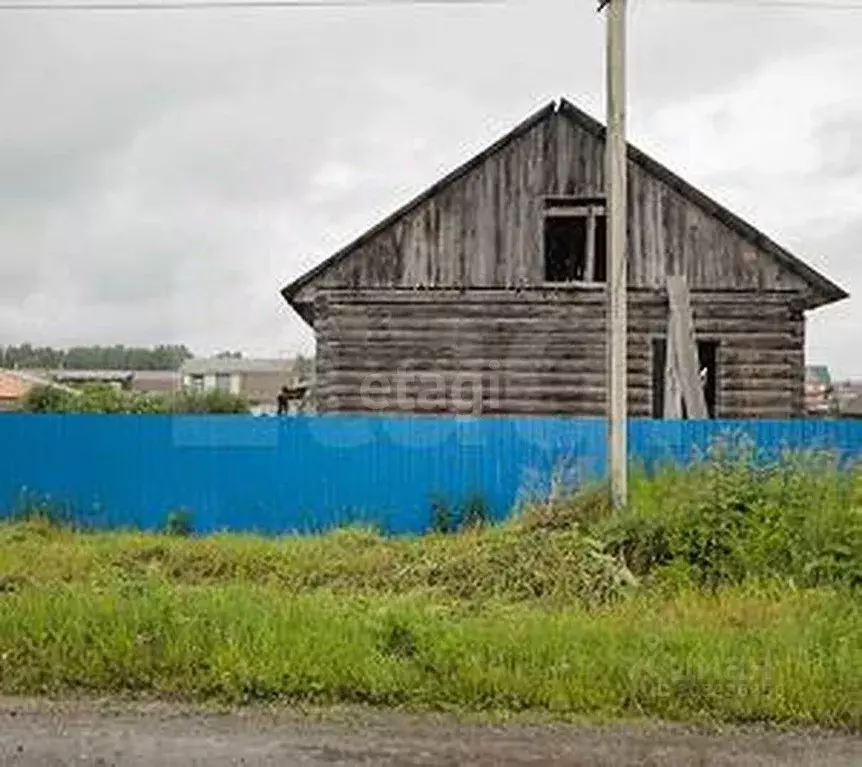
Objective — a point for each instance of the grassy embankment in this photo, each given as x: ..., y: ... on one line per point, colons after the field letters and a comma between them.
x: 726, y: 593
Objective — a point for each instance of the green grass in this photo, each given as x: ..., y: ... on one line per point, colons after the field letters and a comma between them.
x: 502, y: 563
x: 738, y: 657
x: 728, y: 592
x: 728, y: 519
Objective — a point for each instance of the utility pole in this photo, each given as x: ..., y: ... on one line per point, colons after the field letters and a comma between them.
x: 617, y: 309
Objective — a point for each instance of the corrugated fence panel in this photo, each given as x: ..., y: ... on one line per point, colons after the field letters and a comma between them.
x: 314, y: 472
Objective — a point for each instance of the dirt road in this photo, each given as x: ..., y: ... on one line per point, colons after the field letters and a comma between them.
x: 34, y: 734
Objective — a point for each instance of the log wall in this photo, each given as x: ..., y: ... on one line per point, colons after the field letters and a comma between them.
x: 541, y: 351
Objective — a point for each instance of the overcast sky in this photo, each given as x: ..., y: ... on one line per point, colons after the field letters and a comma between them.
x: 163, y: 175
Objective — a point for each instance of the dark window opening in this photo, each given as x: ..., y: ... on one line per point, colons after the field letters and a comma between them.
x: 707, y: 352
x: 600, y: 273
x: 567, y: 247
x: 659, y: 362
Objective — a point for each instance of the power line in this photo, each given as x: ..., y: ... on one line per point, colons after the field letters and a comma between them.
x: 820, y: 5
x: 217, y: 5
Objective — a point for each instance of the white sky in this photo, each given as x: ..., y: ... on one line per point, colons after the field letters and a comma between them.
x: 163, y: 175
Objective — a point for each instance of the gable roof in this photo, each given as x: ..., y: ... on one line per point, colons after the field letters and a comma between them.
x: 825, y: 290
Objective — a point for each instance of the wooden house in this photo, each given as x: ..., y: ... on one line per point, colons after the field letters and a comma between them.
x: 494, y: 279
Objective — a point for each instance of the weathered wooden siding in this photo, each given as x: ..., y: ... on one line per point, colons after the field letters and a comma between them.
x: 485, y: 229
x: 543, y: 352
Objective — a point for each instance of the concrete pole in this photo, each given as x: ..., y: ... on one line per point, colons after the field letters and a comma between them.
x: 615, y: 175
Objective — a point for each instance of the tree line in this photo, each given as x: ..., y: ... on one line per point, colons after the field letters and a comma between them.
x: 117, y: 357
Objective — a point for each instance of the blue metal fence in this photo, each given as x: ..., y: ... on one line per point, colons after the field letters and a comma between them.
x: 314, y: 472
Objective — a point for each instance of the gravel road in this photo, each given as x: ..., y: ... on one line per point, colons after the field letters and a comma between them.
x: 33, y: 733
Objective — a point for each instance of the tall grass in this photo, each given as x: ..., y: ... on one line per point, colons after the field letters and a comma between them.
x: 738, y: 657
x: 727, y: 591
x: 502, y: 563
x: 728, y: 518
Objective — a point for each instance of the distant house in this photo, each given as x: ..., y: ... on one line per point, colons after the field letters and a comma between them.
x: 258, y: 381
x: 157, y: 381
x: 848, y: 399
x: 15, y: 385
x: 819, y: 399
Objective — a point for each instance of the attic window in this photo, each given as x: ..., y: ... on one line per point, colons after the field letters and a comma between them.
x: 575, y: 240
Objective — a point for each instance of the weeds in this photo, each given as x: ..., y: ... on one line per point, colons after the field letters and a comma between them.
x: 482, y: 564
x: 727, y: 591
x: 443, y: 517
x: 737, y: 657
x: 42, y: 510
x: 473, y: 514
x: 730, y: 519
x: 180, y: 523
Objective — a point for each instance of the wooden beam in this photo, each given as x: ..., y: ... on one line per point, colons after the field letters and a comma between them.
x: 582, y: 211
x: 681, y: 329
x: 568, y: 201
x: 672, y: 392
x: 590, y: 266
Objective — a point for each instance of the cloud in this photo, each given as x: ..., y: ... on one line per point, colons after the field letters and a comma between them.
x: 680, y: 50
x: 162, y: 176
x: 840, y: 147
x: 779, y: 149
x: 765, y: 143
x: 833, y: 332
